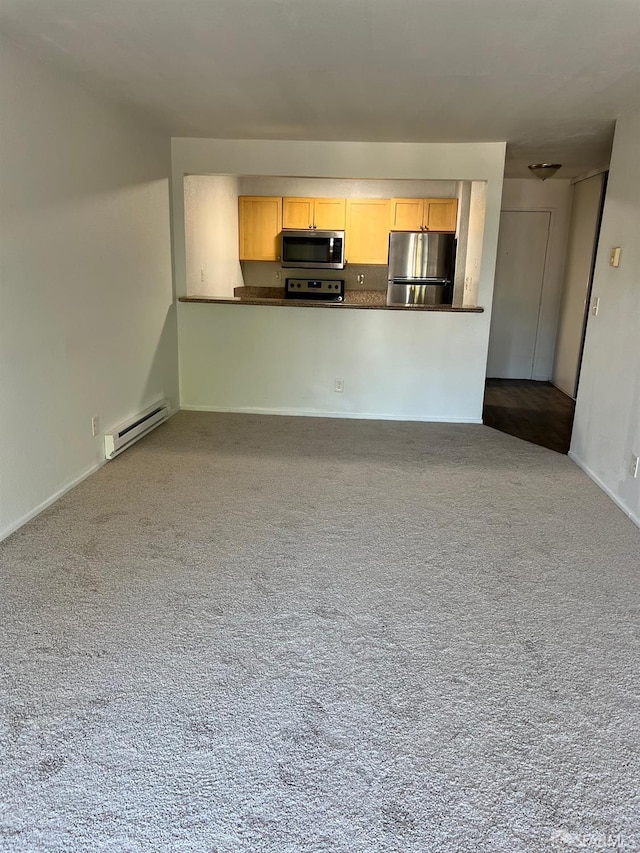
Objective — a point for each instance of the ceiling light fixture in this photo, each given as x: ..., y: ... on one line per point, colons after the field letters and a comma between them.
x: 544, y: 170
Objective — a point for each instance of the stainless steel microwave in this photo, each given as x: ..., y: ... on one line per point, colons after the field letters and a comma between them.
x: 322, y: 250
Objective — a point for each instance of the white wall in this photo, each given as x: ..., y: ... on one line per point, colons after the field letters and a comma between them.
x: 607, y: 422
x: 464, y: 209
x: 332, y: 188
x: 211, y: 233
x: 355, y: 342
x: 554, y: 196
x: 86, y: 319
x: 395, y: 364
x: 475, y: 240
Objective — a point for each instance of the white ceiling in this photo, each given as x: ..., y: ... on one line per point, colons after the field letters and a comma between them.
x: 548, y: 76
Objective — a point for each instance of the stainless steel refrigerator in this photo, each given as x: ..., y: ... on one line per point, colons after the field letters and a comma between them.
x: 421, y: 268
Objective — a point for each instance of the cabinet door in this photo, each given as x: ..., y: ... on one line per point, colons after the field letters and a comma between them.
x: 441, y: 213
x: 330, y: 214
x: 260, y: 223
x: 297, y: 212
x: 407, y: 214
x: 367, y: 231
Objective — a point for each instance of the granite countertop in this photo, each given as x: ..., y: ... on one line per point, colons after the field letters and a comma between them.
x: 368, y: 299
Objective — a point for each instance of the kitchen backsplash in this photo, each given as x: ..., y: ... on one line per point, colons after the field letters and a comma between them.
x: 263, y: 274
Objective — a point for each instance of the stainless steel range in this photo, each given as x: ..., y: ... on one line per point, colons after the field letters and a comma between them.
x: 319, y: 289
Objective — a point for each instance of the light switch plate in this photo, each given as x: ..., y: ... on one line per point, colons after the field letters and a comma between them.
x: 614, y: 260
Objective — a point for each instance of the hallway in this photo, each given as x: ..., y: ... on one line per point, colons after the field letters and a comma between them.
x: 534, y: 411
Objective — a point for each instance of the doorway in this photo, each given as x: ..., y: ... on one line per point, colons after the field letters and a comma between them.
x: 514, y: 402
x: 540, y: 411
x: 534, y: 411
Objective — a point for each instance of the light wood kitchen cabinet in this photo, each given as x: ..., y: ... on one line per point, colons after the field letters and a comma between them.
x: 367, y: 230
x: 297, y: 212
x: 424, y: 214
x: 330, y: 214
x: 441, y: 214
x: 318, y: 213
x: 260, y: 223
x: 407, y: 214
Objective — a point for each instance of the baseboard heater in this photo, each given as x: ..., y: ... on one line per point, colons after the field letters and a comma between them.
x: 135, y: 428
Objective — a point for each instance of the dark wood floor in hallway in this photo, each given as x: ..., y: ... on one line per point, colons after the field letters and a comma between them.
x: 534, y: 411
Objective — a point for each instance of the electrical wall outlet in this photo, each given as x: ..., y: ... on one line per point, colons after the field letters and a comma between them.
x: 614, y: 259
x: 339, y: 385
x: 634, y: 466
x: 95, y: 425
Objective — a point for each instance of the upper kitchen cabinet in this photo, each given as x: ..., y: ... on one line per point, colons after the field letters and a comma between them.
x: 424, y: 214
x: 322, y: 213
x: 407, y: 214
x: 297, y: 212
x: 330, y: 214
x: 260, y: 223
x: 367, y: 230
x: 441, y: 214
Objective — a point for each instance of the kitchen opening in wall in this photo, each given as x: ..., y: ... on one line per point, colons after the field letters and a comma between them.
x: 337, y: 234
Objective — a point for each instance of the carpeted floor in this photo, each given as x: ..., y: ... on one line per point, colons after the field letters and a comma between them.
x: 255, y: 634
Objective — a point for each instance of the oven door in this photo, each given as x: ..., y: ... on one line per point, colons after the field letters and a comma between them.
x: 313, y: 250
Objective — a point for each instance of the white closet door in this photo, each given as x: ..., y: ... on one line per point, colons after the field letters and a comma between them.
x: 522, y: 251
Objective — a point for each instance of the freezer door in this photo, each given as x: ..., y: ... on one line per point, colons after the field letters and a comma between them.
x: 416, y: 293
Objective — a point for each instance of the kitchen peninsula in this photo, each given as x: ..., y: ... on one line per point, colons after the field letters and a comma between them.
x: 380, y: 363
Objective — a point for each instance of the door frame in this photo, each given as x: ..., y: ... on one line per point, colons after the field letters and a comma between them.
x: 592, y: 271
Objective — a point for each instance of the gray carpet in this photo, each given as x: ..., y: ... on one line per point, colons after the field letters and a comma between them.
x: 281, y: 634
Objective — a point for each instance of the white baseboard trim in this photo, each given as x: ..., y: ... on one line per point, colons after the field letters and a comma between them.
x: 16, y: 525
x: 305, y: 413
x: 605, y: 489
x: 566, y: 394
x: 71, y: 484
